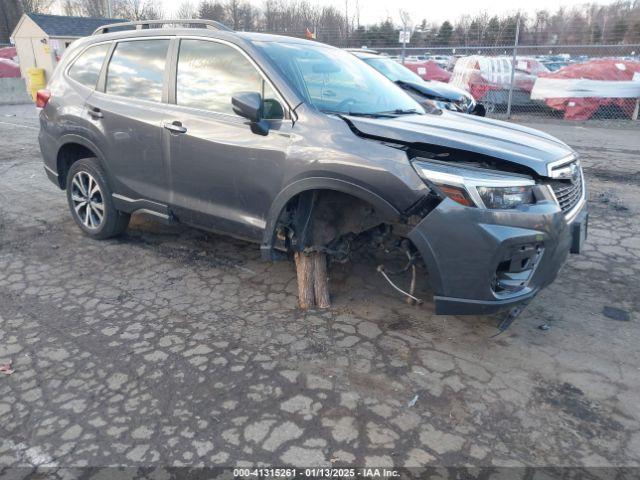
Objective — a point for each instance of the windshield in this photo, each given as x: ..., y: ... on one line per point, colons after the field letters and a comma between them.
x: 334, y: 81
x: 393, y: 70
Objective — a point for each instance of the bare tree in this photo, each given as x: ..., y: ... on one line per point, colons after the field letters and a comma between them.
x: 152, y: 11
x: 137, y: 9
x: 186, y: 10
x: 10, y: 13
x: 71, y: 8
x: 93, y: 8
x: 212, y: 10
x: 234, y: 13
x: 36, y: 6
x: 617, y: 22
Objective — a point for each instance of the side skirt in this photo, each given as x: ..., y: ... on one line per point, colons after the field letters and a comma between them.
x: 157, y: 211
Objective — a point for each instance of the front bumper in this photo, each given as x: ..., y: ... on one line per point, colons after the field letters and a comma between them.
x: 483, y: 261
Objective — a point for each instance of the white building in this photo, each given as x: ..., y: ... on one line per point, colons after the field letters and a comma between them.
x: 41, y: 39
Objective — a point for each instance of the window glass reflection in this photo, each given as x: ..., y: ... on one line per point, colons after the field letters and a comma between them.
x: 86, y: 69
x: 271, y: 107
x: 209, y: 74
x: 333, y: 80
x: 137, y: 69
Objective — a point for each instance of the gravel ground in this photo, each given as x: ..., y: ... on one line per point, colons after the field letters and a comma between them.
x: 171, y: 346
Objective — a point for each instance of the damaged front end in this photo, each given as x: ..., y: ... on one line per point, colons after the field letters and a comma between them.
x: 497, y: 237
x: 510, y: 206
x: 495, y: 211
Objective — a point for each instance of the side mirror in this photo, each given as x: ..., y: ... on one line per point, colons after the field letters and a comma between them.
x: 249, y: 106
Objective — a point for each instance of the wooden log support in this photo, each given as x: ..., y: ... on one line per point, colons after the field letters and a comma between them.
x: 304, y: 270
x: 313, y: 282
x: 321, y: 280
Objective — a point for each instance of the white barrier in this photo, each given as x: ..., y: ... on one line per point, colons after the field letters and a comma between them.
x: 13, y: 91
x: 545, y: 88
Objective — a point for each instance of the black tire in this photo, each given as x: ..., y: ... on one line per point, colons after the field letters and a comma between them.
x: 86, y: 180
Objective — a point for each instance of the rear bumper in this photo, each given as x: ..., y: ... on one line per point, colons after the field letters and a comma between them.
x: 49, y: 149
x: 53, y: 176
x: 484, y: 261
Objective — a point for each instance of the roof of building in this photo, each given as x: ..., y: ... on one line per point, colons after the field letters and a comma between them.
x: 63, y: 26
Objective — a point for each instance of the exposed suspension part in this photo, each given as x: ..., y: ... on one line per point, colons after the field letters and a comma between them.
x: 409, y: 266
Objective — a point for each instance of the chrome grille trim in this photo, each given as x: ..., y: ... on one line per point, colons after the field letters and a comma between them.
x: 569, y: 194
x: 557, y: 168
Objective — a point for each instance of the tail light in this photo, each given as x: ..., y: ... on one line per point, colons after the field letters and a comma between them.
x: 42, y: 98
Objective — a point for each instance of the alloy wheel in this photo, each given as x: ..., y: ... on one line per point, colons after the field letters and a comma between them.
x: 87, y: 200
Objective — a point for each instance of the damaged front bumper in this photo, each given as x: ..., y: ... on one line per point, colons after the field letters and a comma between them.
x: 483, y: 261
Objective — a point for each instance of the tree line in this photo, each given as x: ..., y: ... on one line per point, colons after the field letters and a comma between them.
x: 589, y: 24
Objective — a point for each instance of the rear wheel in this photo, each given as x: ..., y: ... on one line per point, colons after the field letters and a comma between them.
x: 90, y: 202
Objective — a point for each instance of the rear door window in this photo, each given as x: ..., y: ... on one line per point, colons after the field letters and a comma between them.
x: 137, y: 69
x: 86, y: 68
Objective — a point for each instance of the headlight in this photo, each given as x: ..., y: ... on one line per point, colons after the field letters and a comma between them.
x: 445, y: 105
x: 476, y: 187
x: 505, y: 197
x: 463, y: 103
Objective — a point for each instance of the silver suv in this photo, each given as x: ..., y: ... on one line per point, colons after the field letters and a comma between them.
x: 302, y: 147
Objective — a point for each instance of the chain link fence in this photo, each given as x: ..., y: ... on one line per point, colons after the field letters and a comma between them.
x: 571, y: 82
x: 590, y: 81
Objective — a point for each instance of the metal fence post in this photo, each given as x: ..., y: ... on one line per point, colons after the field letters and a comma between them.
x: 404, y: 16
x: 513, y: 67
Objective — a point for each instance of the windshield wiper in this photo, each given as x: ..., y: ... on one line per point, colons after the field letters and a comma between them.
x: 361, y: 114
x: 400, y: 111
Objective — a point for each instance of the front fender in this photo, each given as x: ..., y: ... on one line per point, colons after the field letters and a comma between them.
x: 318, y: 183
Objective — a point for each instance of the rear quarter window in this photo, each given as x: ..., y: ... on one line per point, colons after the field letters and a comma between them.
x: 137, y: 68
x: 86, y: 68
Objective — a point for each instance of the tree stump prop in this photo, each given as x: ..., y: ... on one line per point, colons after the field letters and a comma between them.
x: 313, y: 282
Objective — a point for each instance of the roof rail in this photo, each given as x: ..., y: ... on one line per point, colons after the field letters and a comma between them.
x: 144, y: 24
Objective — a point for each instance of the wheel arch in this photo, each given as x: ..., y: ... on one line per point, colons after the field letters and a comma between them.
x: 298, y: 187
x: 72, y: 148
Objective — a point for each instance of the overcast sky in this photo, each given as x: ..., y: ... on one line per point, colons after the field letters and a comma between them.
x: 372, y: 11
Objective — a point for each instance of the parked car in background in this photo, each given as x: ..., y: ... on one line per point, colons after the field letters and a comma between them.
x: 429, y: 70
x: 488, y: 79
x: 605, y: 86
x: 9, y: 66
x: 9, y: 53
x: 530, y: 65
x: 443, y: 61
x: 554, y: 62
x: 428, y: 93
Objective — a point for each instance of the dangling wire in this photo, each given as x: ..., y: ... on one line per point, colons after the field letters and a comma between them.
x: 410, y: 264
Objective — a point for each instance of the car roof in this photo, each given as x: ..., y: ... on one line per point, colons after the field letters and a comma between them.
x: 245, y: 40
x: 230, y: 35
x: 269, y: 37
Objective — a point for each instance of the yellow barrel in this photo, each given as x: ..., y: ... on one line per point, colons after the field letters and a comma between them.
x: 36, y: 81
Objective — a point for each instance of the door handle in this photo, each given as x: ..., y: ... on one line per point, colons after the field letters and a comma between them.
x: 175, y: 127
x: 95, y: 112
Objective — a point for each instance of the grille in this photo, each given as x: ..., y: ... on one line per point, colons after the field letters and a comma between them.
x: 568, y: 192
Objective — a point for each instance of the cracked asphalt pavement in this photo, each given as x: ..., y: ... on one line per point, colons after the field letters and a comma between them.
x: 171, y: 346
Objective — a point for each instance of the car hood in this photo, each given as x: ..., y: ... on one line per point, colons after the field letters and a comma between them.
x: 439, y: 90
x: 502, y: 140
